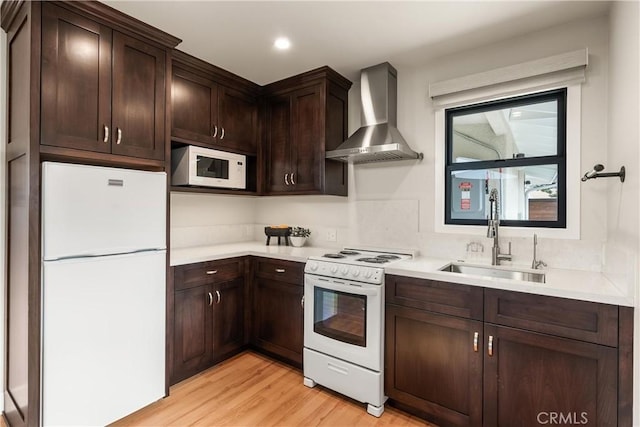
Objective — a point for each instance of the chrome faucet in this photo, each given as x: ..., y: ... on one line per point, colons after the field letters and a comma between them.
x: 492, y: 231
x: 535, y: 264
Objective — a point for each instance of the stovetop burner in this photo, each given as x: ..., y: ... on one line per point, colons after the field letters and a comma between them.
x: 349, y: 252
x: 388, y: 256
x: 373, y: 260
x: 334, y: 256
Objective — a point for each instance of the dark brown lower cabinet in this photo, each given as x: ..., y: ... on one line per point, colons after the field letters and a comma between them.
x: 530, y: 360
x: 432, y: 366
x: 278, y: 309
x: 277, y: 319
x: 209, y: 326
x: 192, y: 342
x: 228, y: 319
x: 533, y: 379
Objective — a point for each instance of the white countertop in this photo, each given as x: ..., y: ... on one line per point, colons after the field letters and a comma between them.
x: 574, y: 284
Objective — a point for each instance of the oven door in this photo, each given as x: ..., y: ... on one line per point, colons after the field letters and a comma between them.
x: 344, y: 319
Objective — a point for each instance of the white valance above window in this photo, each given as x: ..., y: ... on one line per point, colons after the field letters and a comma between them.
x: 532, y: 76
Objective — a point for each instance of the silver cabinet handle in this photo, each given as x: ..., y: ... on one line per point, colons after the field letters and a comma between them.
x: 292, y: 181
x: 475, y: 341
x: 210, y: 298
x: 215, y: 131
x: 218, y: 297
x: 212, y: 271
x: 280, y: 270
x: 119, y: 140
x: 490, y: 345
x: 286, y: 179
x: 302, y: 302
x: 106, y: 134
x: 222, y: 135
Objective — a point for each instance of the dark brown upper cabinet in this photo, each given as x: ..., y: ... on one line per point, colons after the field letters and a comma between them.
x: 102, y: 90
x: 306, y: 115
x: 213, y: 108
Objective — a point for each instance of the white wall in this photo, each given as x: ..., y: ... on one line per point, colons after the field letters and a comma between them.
x: 623, y: 235
x: 3, y: 187
x: 622, y: 149
x: 207, y: 219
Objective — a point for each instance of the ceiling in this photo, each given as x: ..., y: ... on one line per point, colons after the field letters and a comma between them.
x: 346, y: 35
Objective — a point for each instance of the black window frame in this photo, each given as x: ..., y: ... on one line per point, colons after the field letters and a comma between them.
x: 560, y: 160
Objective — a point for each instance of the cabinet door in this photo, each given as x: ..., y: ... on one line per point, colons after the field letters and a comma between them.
x: 76, y: 81
x: 238, y: 120
x: 533, y: 379
x: 277, y: 318
x: 138, y: 98
x: 228, y: 318
x: 192, y: 350
x: 278, y: 144
x: 307, y: 140
x: 432, y: 365
x: 194, y: 107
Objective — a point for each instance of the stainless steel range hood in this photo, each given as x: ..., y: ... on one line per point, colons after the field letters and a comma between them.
x: 378, y: 139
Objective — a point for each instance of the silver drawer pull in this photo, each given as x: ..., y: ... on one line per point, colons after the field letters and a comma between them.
x: 215, y: 131
x: 292, y: 181
x: 490, y: 346
x: 475, y: 341
x: 222, y: 136
x: 210, y: 298
x: 119, y: 140
x: 212, y: 271
x: 218, y: 297
x: 302, y: 302
x: 280, y: 270
x: 106, y: 134
x: 286, y: 179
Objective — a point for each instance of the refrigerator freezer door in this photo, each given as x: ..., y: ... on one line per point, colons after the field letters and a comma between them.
x: 103, y: 337
x: 90, y: 210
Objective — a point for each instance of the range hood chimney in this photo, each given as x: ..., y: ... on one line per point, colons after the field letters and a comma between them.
x: 378, y: 139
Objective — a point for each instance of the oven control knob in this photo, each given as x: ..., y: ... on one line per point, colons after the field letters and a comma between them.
x: 334, y: 269
x: 355, y: 272
x: 368, y: 274
x: 313, y: 266
x: 344, y: 270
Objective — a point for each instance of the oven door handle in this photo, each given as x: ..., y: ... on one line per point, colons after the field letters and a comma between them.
x: 370, y: 290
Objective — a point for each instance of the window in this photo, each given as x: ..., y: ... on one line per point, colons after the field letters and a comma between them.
x: 516, y: 145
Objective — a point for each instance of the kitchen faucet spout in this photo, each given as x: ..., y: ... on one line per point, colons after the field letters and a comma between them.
x: 493, y: 227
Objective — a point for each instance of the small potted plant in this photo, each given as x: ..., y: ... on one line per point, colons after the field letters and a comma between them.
x: 299, y: 236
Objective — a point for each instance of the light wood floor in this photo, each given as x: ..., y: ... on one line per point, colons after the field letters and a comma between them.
x: 253, y: 390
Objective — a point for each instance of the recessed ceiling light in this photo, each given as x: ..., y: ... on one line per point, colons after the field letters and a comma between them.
x: 282, y: 43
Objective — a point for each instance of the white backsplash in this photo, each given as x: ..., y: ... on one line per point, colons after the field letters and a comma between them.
x: 386, y: 223
x: 556, y: 253
x: 394, y: 224
x: 206, y: 235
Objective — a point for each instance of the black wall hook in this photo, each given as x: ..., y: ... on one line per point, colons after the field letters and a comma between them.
x: 595, y: 173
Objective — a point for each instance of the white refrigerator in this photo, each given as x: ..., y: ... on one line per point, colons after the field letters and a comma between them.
x: 103, y: 292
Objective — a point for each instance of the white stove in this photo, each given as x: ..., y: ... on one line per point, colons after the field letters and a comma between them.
x: 344, y: 323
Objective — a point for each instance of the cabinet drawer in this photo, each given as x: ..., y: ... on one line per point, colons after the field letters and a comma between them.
x: 439, y: 297
x: 284, y: 271
x: 582, y: 320
x: 190, y: 275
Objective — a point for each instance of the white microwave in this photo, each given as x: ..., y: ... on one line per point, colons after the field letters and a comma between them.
x: 193, y: 165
